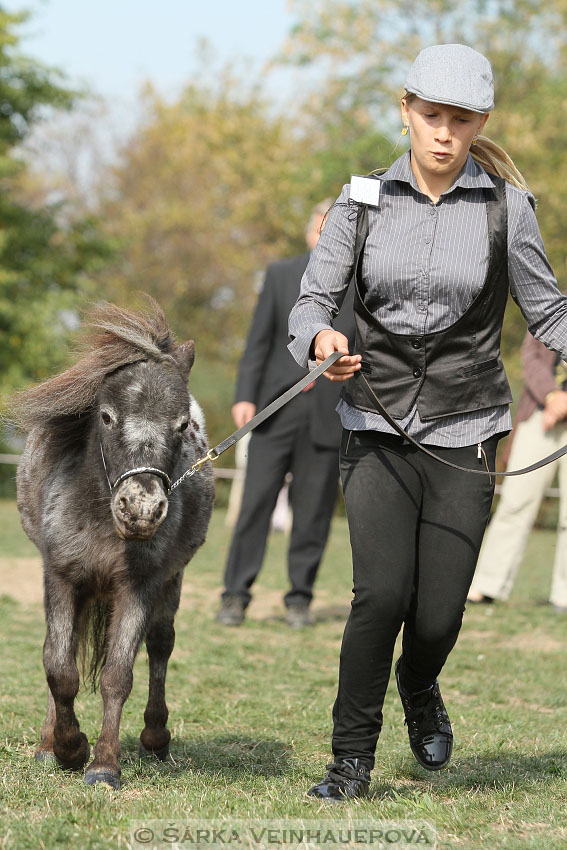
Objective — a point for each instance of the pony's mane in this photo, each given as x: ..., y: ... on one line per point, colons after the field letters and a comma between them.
x: 111, y: 337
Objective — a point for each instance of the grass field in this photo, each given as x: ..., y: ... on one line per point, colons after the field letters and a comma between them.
x: 250, y: 718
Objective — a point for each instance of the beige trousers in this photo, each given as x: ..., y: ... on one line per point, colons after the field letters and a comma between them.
x: 507, y: 534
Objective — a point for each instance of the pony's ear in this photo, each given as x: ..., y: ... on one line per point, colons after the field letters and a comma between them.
x: 185, y: 355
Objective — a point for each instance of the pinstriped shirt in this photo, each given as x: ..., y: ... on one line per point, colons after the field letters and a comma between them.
x: 423, y: 265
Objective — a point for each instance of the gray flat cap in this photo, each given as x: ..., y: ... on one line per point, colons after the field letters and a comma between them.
x: 453, y: 74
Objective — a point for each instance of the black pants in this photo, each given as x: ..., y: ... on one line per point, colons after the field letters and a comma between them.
x: 416, y: 527
x: 284, y: 445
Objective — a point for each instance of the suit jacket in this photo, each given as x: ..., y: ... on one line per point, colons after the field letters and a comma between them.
x: 267, y: 369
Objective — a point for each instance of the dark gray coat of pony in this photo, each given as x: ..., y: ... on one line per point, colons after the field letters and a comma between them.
x: 113, y: 547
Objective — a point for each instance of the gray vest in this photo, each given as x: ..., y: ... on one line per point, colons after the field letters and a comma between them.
x: 456, y: 370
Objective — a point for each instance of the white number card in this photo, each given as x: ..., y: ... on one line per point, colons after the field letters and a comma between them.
x: 365, y: 190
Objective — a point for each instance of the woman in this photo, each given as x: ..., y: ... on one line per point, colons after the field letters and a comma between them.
x: 446, y: 237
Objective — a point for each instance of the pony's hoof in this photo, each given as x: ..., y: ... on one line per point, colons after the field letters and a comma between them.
x: 160, y: 754
x: 108, y: 777
x: 76, y: 759
x: 45, y: 757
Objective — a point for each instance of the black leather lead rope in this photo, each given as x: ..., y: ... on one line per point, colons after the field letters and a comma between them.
x: 383, y: 412
x: 275, y: 405
x: 217, y: 450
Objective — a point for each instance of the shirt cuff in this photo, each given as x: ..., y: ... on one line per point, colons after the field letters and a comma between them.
x: 300, y: 346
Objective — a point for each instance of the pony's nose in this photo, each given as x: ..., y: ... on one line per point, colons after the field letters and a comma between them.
x: 139, y: 511
x: 132, y: 509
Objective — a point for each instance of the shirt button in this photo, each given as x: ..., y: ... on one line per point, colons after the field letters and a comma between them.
x: 428, y: 240
x: 417, y: 373
x: 416, y: 343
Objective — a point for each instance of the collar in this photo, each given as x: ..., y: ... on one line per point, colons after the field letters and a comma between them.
x: 472, y: 176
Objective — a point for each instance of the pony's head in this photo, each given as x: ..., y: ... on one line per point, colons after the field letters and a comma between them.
x: 142, y: 411
x: 127, y: 398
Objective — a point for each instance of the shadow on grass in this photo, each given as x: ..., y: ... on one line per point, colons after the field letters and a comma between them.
x: 231, y: 755
x: 238, y: 757
x: 488, y: 771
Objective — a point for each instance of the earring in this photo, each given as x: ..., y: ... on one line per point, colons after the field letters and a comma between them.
x: 474, y: 141
x: 405, y: 131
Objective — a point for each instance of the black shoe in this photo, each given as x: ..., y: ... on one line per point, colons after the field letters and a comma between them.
x: 231, y: 612
x: 298, y: 616
x: 345, y: 778
x: 429, y: 727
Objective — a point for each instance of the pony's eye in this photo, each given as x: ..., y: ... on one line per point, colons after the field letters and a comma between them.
x: 105, y: 416
x: 183, y: 426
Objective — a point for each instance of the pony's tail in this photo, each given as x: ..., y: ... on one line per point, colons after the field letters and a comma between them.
x: 93, y: 642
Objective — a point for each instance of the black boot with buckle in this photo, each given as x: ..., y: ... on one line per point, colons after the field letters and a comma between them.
x: 429, y: 727
x: 345, y: 778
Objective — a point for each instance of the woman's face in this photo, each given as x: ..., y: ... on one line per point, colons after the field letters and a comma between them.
x: 441, y: 136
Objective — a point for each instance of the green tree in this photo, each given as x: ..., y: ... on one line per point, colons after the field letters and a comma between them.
x: 43, y: 264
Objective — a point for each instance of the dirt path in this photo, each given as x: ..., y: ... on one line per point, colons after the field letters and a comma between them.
x: 21, y: 579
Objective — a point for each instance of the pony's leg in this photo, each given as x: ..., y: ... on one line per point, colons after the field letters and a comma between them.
x: 126, y: 631
x: 155, y: 737
x: 44, y: 751
x: 160, y: 640
x: 70, y: 745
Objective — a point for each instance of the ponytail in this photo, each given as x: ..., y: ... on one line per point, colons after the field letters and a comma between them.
x: 494, y: 159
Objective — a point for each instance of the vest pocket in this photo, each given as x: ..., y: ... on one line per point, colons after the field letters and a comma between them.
x: 479, y: 368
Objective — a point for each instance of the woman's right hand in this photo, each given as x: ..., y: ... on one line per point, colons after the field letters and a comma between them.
x: 324, y: 344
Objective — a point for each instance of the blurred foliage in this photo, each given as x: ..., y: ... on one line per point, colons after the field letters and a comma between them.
x: 208, y: 190
x: 44, y: 265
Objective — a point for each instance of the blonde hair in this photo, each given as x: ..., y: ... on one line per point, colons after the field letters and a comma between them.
x: 494, y: 159
x: 491, y: 157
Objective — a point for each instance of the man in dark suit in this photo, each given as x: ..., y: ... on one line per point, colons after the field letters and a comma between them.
x: 302, y: 438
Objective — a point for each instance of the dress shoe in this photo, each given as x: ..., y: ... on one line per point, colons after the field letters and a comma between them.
x: 231, y: 612
x: 298, y: 616
x: 345, y: 778
x: 429, y: 727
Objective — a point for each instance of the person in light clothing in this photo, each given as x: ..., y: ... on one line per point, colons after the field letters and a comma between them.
x: 540, y: 429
